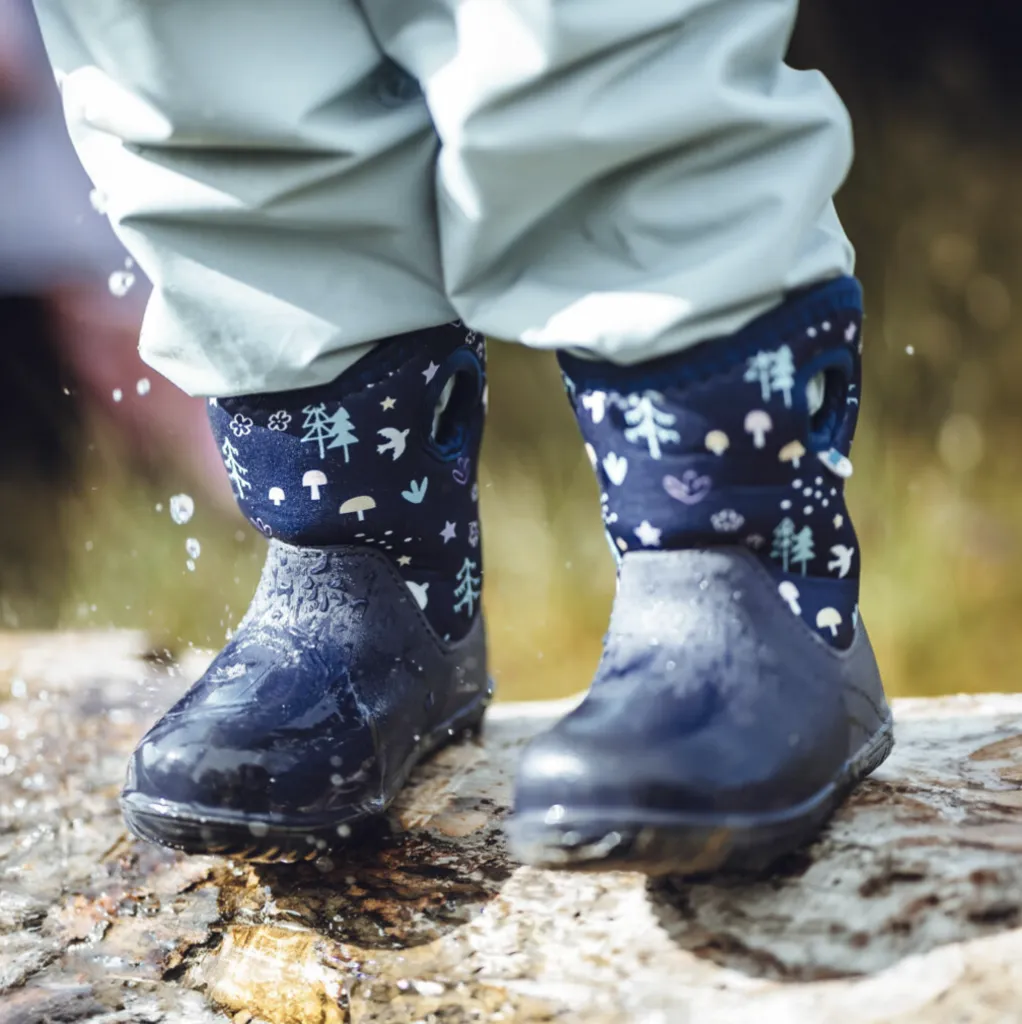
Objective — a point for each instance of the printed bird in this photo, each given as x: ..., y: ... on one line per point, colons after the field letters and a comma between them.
x: 842, y: 559
x: 395, y: 441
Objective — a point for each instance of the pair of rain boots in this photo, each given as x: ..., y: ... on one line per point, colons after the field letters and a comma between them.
x: 737, y: 700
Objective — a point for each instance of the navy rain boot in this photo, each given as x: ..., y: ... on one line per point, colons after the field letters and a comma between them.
x: 738, y: 699
x: 363, y: 649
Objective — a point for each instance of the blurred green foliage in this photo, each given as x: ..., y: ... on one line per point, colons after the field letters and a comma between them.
x: 934, y: 207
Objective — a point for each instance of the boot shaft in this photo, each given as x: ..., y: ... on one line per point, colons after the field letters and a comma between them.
x: 741, y: 441
x: 384, y: 457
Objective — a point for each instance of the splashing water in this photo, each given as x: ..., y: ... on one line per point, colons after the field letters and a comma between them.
x: 118, y: 394
x: 143, y: 386
x: 182, y: 508
x: 193, y: 547
x: 120, y: 283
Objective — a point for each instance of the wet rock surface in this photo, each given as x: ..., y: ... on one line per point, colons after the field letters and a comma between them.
x: 909, y: 908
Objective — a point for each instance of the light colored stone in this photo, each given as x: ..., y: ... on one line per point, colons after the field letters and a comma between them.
x: 908, y: 909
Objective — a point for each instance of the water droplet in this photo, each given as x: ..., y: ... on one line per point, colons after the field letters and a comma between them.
x: 182, y: 507
x: 118, y: 394
x: 120, y: 283
x: 193, y: 547
x: 324, y: 864
x: 143, y: 385
x: 344, y: 831
x: 190, y: 565
x: 910, y: 350
x: 258, y: 828
x: 555, y: 814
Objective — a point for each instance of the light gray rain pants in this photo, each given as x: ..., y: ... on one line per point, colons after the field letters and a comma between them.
x: 627, y: 177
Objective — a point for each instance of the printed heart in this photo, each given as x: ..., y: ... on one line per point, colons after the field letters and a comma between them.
x: 463, y: 470
x: 690, y: 489
x: 616, y: 468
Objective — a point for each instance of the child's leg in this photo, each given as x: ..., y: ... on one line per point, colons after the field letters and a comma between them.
x: 627, y: 181
x: 270, y: 170
x: 273, y: 174
x: 625, y: 178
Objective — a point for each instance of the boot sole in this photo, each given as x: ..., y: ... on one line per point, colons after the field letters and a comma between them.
x: 196, y: 829
x: 678, y: 844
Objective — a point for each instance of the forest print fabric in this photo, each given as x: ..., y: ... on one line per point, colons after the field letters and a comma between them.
x: 742, y: 441
x: 384, y: 457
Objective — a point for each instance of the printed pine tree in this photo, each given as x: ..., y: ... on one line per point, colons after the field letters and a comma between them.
x: 468, y: 588
x: 773, y: 372
x: 236, y: 472
x: 317, y: 427
x: 782, y: 374
x: 648, y: 423
x: 343, y: 431
x: 784, y: 539
x: 802, y: 550
x: 758, y: 371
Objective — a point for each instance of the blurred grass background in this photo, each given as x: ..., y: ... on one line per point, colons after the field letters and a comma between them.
x: 935, y: 208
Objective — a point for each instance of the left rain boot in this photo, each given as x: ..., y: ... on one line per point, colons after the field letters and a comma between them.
x: 738, y: 699
x: 363, y: 649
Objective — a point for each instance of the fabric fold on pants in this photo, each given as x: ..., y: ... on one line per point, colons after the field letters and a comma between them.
x: 303, y: 178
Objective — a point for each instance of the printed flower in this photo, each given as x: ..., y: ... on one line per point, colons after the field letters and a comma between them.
x: 240, y: 425
x: 280, y: 420
x: 727, y: 520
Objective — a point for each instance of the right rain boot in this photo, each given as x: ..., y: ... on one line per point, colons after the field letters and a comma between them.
x: 363, y: 649
x: 737, y: 701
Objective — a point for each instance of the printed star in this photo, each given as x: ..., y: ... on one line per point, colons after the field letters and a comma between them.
x: 388, y: 404
x: 430, y: 372
x: 404, y: 560
x: 448, y: 531
x: 839, y: 521
x: 648, y: 534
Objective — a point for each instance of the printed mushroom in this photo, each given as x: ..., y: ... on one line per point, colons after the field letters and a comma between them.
x: 759, y: 424
x: 829, y: 618
x: 717, y: 442
x: 789, y: 592
x: 276, y: 495
x: 792, y: 452
x: 363, y: 503
x: 314, y: 479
